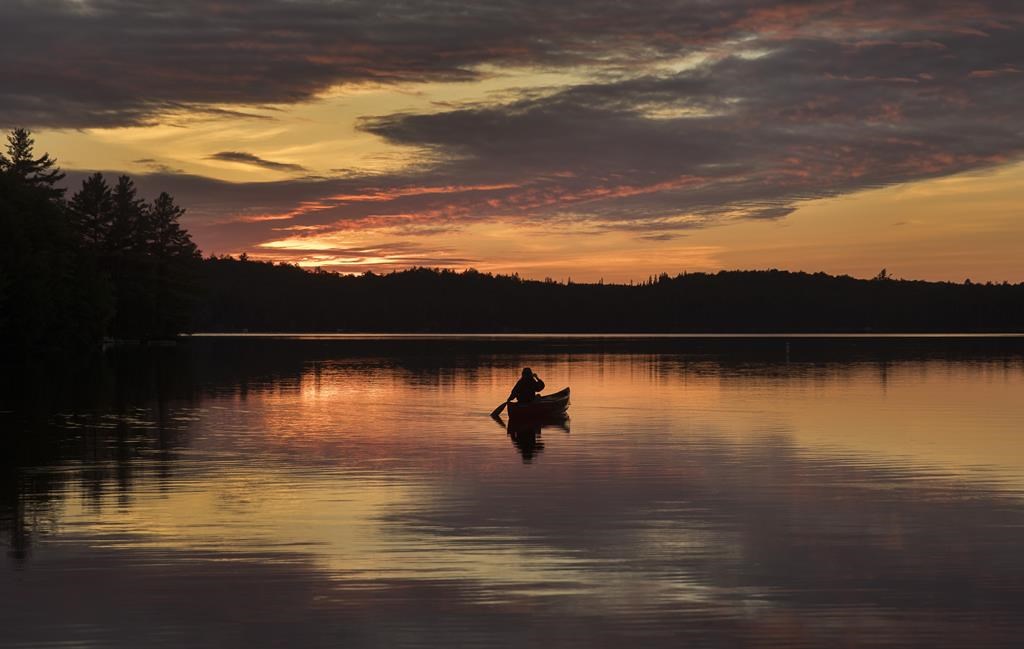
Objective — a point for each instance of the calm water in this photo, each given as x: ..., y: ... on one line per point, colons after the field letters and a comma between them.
x: 346, y: 493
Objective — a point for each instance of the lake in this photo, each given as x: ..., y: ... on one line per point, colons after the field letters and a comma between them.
x: 352, y: 491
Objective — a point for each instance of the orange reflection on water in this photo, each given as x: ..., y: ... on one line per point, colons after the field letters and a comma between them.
x: 957, y: 416
x: 787, y: 499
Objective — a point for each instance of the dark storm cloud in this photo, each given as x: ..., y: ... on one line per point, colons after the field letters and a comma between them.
x: 252, y: 159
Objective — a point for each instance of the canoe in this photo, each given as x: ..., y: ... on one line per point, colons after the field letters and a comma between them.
x: 551, y: 404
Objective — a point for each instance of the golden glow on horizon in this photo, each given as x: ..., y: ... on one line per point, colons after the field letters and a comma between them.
x: 966, y: 226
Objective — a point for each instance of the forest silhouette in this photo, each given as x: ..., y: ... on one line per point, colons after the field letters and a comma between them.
x: 108, y: 264
x: 104, y: 263
x: 260, y: 296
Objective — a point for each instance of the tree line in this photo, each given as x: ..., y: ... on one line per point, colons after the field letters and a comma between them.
x: 241, y: 294
x: 105, y: 262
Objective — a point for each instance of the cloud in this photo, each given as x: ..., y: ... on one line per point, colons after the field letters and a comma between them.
x: 333, y: 252
x: 780, y: 102
x: 155, y: 166
x: 89, y: 63
x: 251, y: 159
x: 664, y: 236
x: 740, y: 136
x: 117, y: 62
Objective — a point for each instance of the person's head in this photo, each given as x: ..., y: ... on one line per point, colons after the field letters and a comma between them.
x: 527, y: 372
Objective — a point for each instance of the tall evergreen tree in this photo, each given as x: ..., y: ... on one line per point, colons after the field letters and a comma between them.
x: 169, y: 238
x: 127, y: 217
x: 53, y: 296
x: 41, y: 174
x: 92, y: 209
x: 131, y: 271
x: 176, y: 260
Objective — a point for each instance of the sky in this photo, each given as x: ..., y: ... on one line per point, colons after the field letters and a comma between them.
x: 586, y: 139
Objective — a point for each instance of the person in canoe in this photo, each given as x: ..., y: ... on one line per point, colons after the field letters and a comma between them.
x: 526, y: 388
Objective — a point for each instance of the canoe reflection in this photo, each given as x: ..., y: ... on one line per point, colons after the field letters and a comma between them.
x: 525, y: 433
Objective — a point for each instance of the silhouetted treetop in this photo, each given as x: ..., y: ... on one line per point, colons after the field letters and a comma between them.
x: 92, y: 209
x: 127, y: 217
x: 39, y: 173
x: 167, y: 237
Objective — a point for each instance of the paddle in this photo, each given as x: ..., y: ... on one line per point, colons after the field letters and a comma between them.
x: 497, y: 411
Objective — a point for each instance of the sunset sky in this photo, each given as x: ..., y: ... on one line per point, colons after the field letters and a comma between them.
x: 587, y: 139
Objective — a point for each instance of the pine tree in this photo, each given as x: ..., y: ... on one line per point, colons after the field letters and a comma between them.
x: 92, y: 209
x: 174, y: 258
x: 170, y: 239
x: 105, y: 262
x: 127, y: 216
x: 40, y: 173
x: 53, y: 296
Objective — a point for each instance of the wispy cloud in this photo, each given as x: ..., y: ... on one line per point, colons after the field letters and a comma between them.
x: 332, y: 253
x: 243, y: 157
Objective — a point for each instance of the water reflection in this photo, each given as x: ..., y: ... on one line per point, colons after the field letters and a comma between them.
x: 319, y: 493
x: 525, y: 433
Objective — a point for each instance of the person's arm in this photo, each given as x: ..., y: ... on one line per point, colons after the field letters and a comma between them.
x: 539, y: 384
